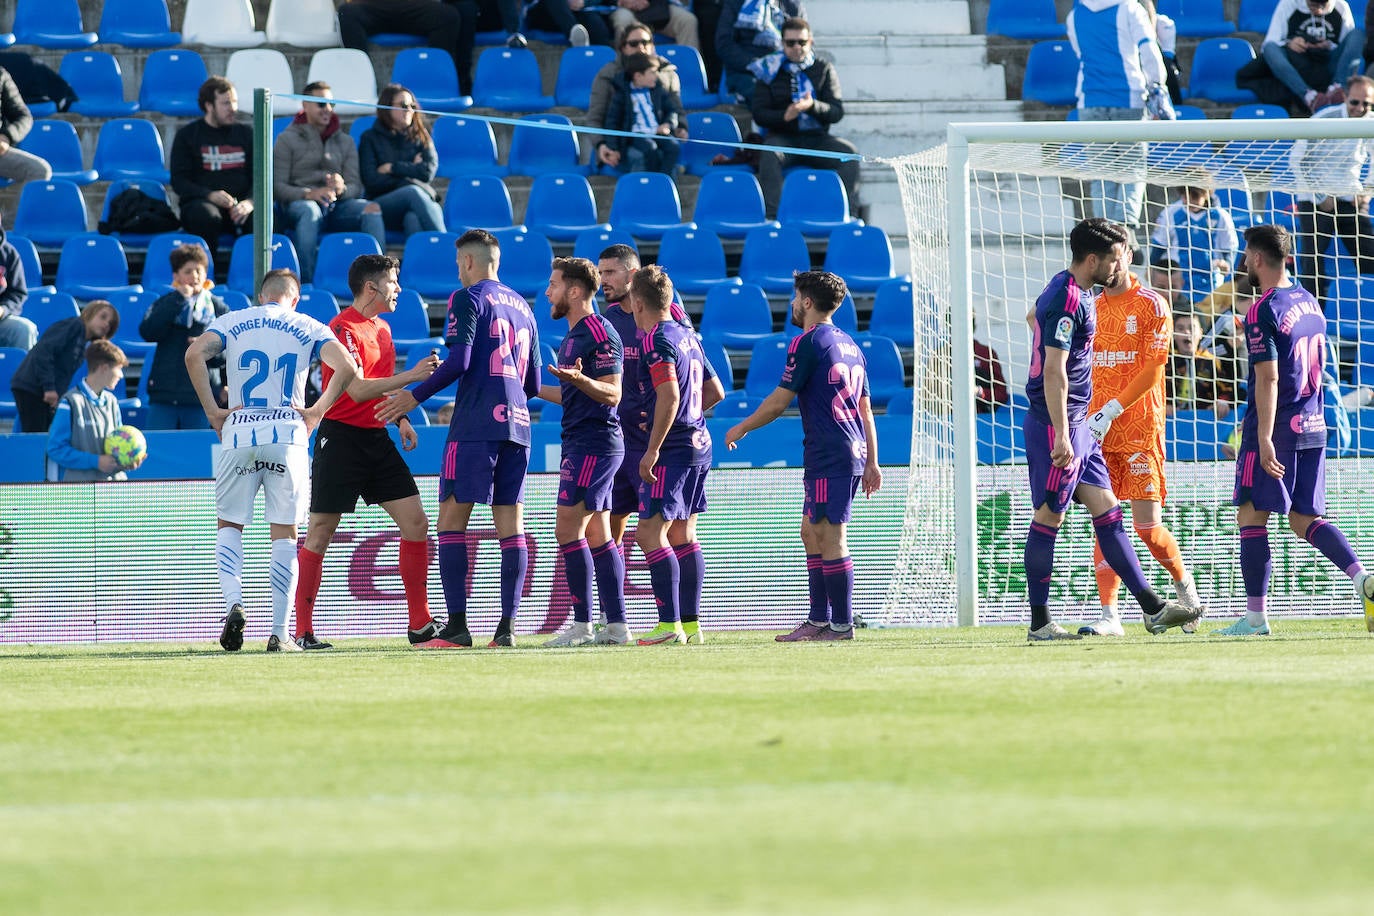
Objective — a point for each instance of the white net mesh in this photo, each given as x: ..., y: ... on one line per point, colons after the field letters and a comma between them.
x: 1024, y: 195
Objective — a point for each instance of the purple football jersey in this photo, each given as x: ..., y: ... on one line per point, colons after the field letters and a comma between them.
x: 1286, y: 325
x: 589, y: 426
x: 826, y: 369
x: 672, y: 351
x: 636, y: 395
x: 1065, y: 319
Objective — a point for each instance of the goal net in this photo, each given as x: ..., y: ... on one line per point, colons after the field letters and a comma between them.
x: 988, y: 218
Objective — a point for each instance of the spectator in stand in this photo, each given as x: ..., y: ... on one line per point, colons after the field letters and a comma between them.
x: 449, y: 26
x: 797, y: 99
x: 1198, y: 236
x: 49, y: 367
x: 637, y: 38
x: 176, y: 318
x: 1312, y: 47
x: 1343, y: 211
x: 572, y: 18
x: 1166, y: 33
x: 15, y: 123
x: 503, y: 16
x: 315, y: 176
x: 640, y: 105
x: 85, y: 416
x: 990, y: 384
x: 1166, y: 279
x: 1121, y: 77
x: 398, y: 162
x: 212, y: 167
x: 708, y: 19
x: 673, y: 18
x: 746, y: 31
x: 15, y: 330
x: 1194, y: 381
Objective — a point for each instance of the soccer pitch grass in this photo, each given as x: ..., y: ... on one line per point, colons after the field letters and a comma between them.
x: 909, y: 771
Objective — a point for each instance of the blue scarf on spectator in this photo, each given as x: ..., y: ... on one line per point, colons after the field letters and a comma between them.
x: 765, y: 18
x: 766, y: 68
x: 199, y: 309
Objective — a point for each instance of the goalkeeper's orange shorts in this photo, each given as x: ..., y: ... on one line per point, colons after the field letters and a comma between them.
x: 1137, y: 475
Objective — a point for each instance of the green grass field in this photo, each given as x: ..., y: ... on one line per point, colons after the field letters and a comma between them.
x: 910, y: 771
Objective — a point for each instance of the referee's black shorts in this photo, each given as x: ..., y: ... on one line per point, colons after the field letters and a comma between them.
x: 352, y: 461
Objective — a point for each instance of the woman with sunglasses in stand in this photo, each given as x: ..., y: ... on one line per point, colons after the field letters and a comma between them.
x: 398, y: 161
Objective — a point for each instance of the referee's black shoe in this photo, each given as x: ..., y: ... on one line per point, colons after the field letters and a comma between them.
x: 308, y: 641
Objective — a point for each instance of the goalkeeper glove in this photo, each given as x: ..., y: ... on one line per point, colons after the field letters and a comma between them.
x: 1158, y: 103
x: 1100, y: 422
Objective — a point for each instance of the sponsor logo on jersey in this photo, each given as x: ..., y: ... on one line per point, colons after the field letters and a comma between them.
x: 1110, y: 359
x: 271, y: 467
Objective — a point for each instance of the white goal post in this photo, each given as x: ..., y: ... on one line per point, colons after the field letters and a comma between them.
x: 988, y: 217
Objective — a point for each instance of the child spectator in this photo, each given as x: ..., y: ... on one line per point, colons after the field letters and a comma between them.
x: 398, y: 162
x: 174, y: 320
x: 47, y: 371
x: 86, y: 414
x: 1200, y: 237
x: 1194, y: 381
x: 640, y: 105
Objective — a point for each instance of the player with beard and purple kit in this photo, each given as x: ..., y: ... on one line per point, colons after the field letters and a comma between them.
x: 826, y: 372
x: 673, y: 467
x: 588, y: 371
x: 491, y: 334
x: 1281, y: 464
x: 1063, y: 456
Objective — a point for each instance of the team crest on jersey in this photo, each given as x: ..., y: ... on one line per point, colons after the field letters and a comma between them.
x: 1063, y: 332
x: 1130, y: 324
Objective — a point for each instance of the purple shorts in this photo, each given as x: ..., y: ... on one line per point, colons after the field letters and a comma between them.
x: 493, y: 473
x: 830, y: 499
x: 1054, y: 487
x: 1302, y: 489
x: 586, y: 480
x: 625, y: 486
x: 679, y: 493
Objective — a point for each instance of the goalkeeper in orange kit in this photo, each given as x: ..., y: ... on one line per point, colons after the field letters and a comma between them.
x: 1130, y: 353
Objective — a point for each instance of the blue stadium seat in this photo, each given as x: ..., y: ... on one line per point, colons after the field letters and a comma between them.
x: 171, y: 80
x: 691, y: 73
x: 561, y: 205
x: 536, y: 150
x: 157, y: 269
x: 429, y: 264
x: 718, y: 126
x: 241, y: 261
x: 695, y: 261
x: 766, y: 362
x: 903, y: 404
x: 1258, y: 155
x: 550, y: 412
x: 279, y: 126
x: 646, y: 205
x: 548, y: 356
x: 737, y: 316
x: 893, y: 316
x: 551, y: 330
x: 99, y: 84
x: 336, y: 254
x: 319, y: 304
x: 429, y: 75
x: 720, y: 361
x: 44, y: 309
x: 131, y: 306
x: 730, y: 204
x: 1213, y: 75
x: 862, y: 255
x: 736, y: 406
x: 52, y: 24
x: 772, y: 256
x: 1051, y: 74
x: 1237, y: 203
x: 815, y: 201
x: 1033, y: 19
x: 418, y: 351
x: 1194, y: 435
x: 154, y: 189
x: 466, y: 146
x: 478, y: 202
x: 1255, y: 15
x: 1347, y: 310
x: 886, y: 375
x: 50, y: 211
x: 360, y: 126
x: 57, y: 142
x: 6, y: 39
x: 410, y: 322
x: 234, y: 299
x: 591, y: 243
x: 1197, y: 18
x: 998, y: 435
x: 577, y: 68
x: 130, y: 148
x: 138, y: 24
x: 396, y: 40
x: 1169, y: 156
x: 1259, y: 111
x: 33, y: 267
x: 525, y: 260
x: 93, y: 266
x: 508, y: 79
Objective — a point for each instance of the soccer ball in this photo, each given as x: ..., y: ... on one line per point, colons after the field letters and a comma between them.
x: 126, y: 445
